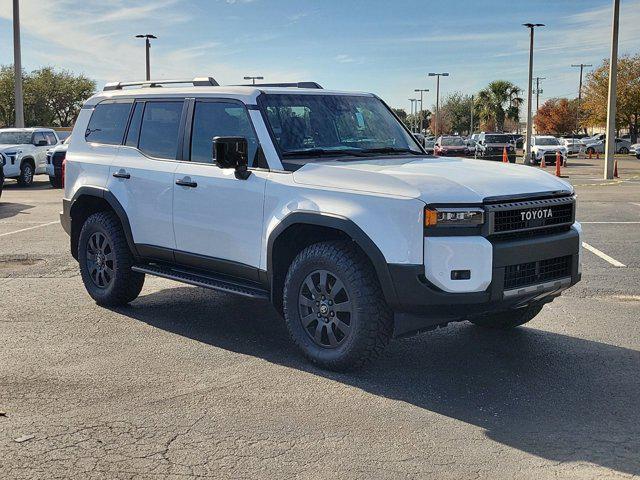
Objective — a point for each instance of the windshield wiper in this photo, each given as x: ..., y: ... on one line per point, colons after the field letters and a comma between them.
x: 391, y: 150
x: 322, y: 152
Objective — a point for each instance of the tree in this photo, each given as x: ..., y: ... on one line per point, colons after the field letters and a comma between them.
x: 401, y: 113
x: 556, y: 116
x: 628, y: 95
x: 496, y: 102
x: 413, y: 120
x: 455, y: 113
x: 51, y: 98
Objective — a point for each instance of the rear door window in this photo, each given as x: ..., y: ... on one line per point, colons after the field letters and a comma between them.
x: 51, y: 138
x: 38, y: 137
x: 159, y: 129
x: 107, y: 123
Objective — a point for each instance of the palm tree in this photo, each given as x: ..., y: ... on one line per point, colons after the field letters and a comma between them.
x: 498, y: 101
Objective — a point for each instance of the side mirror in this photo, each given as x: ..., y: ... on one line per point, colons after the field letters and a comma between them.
x: 232, y: 152
x: 41, y: 143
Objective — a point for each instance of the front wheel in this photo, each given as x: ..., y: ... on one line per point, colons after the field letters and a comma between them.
x: 106, y: 261
x: 590, y: 151
x: 334, y: 307
x: 507, y: 320
x: 26, y: 174
x: 624, y: 151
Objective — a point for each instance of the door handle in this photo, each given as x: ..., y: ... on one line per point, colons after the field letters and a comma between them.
x: 186, y: 182
x: 121, y: 174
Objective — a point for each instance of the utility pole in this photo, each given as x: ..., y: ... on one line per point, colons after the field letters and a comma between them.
x: 471, y: 126
x: 421, y: 90
x: 527, y: 139
x: 610, y: 145
x: 17, y: 67
x: 538, y: 91
x: 253, y: 79
x: 147, y: 44
x: 581, y: 65
x: 437, y: 122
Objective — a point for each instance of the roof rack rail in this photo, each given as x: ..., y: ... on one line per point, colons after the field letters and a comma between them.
x: 292, y: 85
x: 196, y: 82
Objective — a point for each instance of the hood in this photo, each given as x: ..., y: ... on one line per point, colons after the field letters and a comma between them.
x: 433, y: 180
x: 10, y: 148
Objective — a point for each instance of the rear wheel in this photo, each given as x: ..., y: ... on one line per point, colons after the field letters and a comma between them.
x: 26, y: 174
x: 334, y: 307
x: 106, y: 261
x: 623, y: 150
x: 56, y: 182
x: 590, y: 150
x: 509, y: 319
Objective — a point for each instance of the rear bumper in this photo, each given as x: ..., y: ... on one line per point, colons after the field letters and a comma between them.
x: 421, y: 305
x: 65, y: 216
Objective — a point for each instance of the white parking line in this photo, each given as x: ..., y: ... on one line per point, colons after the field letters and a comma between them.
x: 26, y: 229
x: 603, y: 255
x: 634, y: 203
x: 612, y: 223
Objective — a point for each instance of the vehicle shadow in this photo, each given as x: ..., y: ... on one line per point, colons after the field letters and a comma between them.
x: 38, y: 184
x: 8, y: 210
x: 555, y: 396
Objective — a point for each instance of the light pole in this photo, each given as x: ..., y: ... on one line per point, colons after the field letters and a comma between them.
x: 437, y: 122
x: 17, y: 67
x: 471, y: 126
x: 253, y: 79
x: 421, y: 90
x: 581, y: 65
x: 147, y: 43
x: 527, y: 139
x: 610, y: 145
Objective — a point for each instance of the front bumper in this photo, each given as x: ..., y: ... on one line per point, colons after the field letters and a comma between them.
x: 422, y: 306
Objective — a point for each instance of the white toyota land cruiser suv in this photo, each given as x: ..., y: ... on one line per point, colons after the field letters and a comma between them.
x: 320, y: 201
x: 25, y: 152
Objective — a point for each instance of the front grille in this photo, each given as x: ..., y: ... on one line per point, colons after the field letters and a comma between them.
x: 533, y: 215
x: 532, y: 273
x: 523, y: 234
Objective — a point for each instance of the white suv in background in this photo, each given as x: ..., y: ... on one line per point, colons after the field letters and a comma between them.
x: 25, y: 152
x: 547, y: 147
x: 320, y: 201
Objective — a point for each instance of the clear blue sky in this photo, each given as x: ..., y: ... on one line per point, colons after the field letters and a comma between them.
x: 386, y: 47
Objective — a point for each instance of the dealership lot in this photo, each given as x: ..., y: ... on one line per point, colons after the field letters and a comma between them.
x: 187, y: 382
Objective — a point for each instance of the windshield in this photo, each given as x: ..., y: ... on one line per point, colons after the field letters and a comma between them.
x: 497, y: 139
x: 547, y: 141
x: 452, y: 142
x: 15, y: 138
x: 312, y: 127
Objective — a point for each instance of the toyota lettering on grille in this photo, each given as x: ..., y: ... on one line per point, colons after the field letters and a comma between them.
x: 539, y: 214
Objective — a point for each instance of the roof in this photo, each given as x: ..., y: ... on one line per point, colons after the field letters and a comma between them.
x: 246, y: 94
x: 26, y: 129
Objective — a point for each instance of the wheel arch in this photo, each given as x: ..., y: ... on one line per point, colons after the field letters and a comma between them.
x: 300, y: 229
x: 89, y: 200
x: 28, y: 159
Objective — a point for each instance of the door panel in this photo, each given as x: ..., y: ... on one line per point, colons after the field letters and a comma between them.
x: 221, y: 217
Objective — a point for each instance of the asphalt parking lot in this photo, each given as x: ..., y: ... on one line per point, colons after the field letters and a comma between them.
x: 189, y: 383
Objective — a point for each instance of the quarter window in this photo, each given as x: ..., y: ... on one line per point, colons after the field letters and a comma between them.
x: 159, y: 129
x: 107, y: 123
x: 219, y: 119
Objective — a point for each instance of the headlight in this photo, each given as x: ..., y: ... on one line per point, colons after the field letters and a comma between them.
x: 453, y: 217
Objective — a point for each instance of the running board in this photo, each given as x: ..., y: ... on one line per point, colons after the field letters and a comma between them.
x: 203, y: 280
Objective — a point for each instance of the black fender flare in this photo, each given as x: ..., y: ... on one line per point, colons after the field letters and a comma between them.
x: 115, y: 205
x: 352, y: 230
x: 28, y: 158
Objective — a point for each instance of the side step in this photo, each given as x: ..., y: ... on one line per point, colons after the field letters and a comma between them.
x: 203, y: 280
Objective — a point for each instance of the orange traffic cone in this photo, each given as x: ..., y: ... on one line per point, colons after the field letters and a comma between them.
x: 615, y: 169
x: 597, y: 155
x: 543, y: 164
x: 505, y: 157
x: 558, y: 161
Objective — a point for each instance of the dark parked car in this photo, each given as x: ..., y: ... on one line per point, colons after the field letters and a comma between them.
x: 491, y: 146
x: 2, y: 160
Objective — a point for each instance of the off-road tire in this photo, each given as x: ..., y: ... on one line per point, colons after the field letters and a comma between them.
x: 507, y: 320
x: 26, y: 174
x: 371, y: 321
x: 55, y: 182
x: 125, y: 285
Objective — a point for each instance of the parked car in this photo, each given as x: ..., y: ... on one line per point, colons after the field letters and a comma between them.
x: 429, y: 146
x: 634, y: 149
x: 450, y: 146
x: 321, y: 202
x: 622, y: 146
x: 25, y: 152
x: 2, y: 160
x: 491, y: 146
x: 573, y: 145
x: 55, y: 157
x: 517, y: 139
x: 547, y: 147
